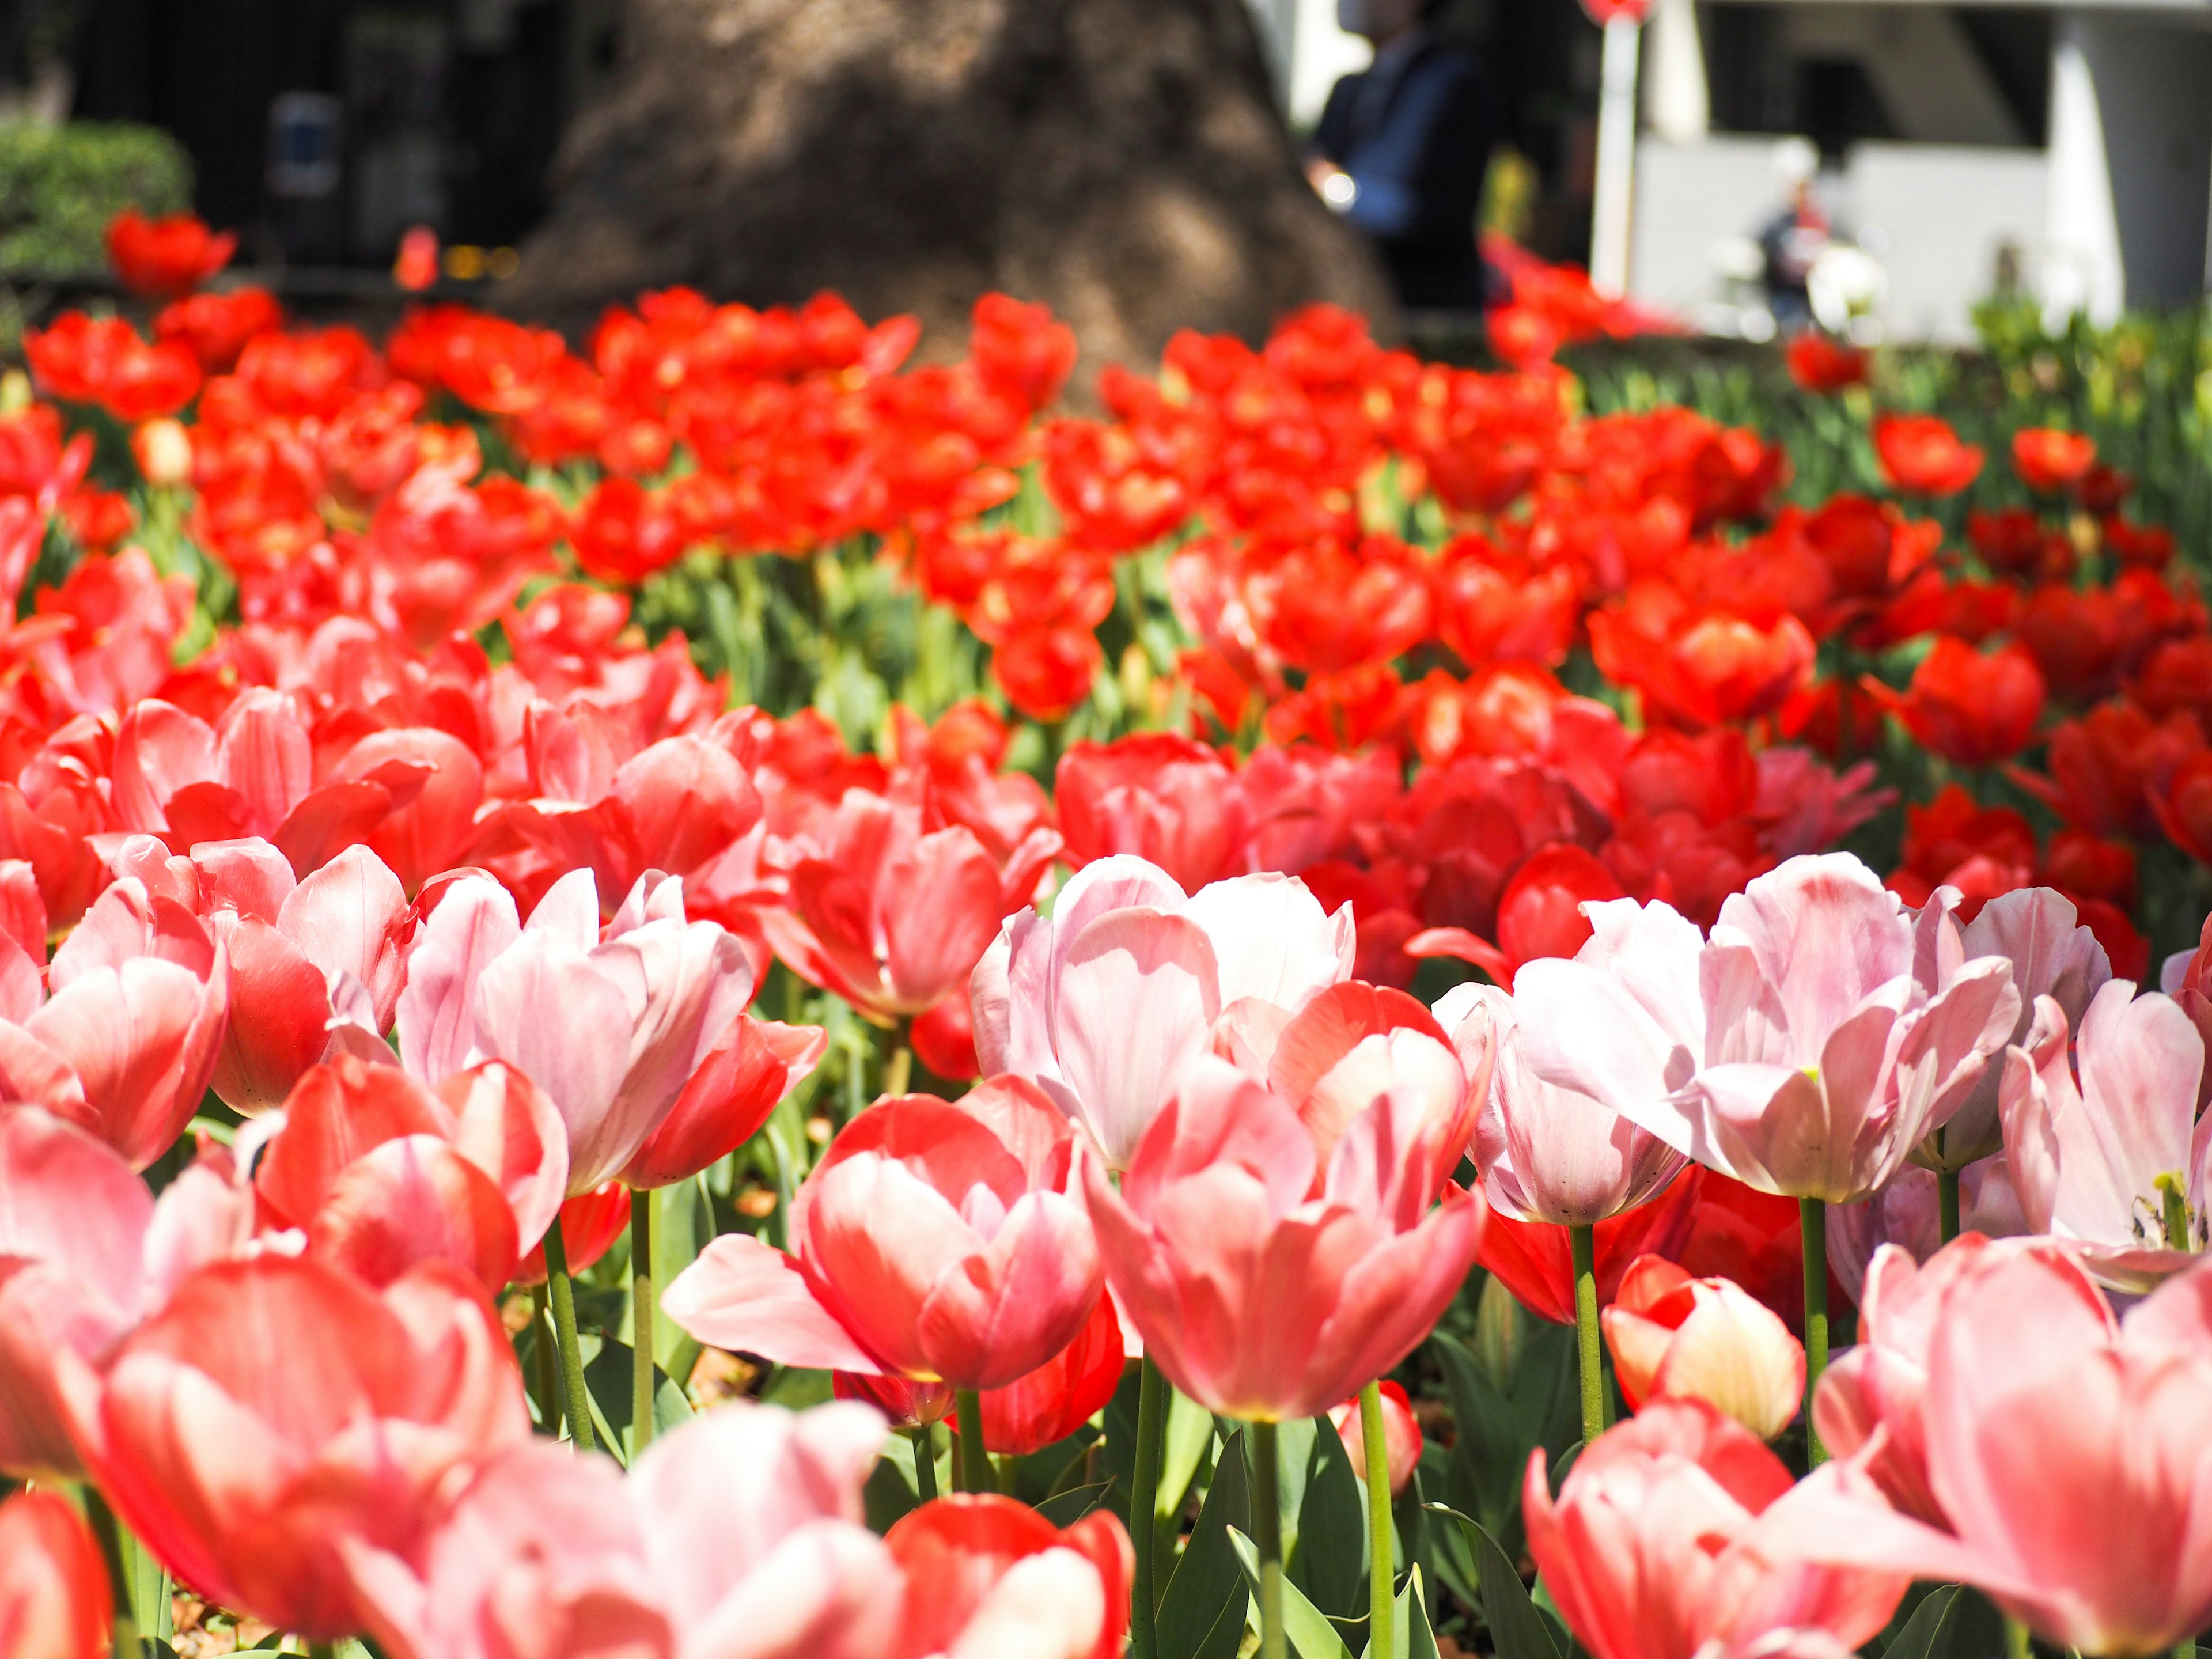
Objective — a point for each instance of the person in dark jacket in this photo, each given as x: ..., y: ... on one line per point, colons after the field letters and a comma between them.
x: 1402, y: 149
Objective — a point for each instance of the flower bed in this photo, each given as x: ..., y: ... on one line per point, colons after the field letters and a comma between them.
x: 1334, y: 867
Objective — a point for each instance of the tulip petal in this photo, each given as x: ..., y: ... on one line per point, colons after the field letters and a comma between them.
x: 748, y: 1298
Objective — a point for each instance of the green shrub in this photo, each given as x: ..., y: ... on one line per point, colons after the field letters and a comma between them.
x: 59, y: 185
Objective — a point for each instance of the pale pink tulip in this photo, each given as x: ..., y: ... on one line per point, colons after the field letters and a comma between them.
x: 1661, y: 1546
x: 1908, y: 1213
x: 1547, y: 1153
x: 85, y: 1253
x: 738, y: 1536
x: 1107, y: 1002
x: 1815, y: 1058
x: 2098, y: 1160
x: 1674, y: 1337
x: 611, y: 1024
x: 278, y: 1408
x: 126, y: 1041
x: 2039, y: 931
x: 2065, y: 1450
x: 1262, y: 1291
x: 937, y: 1240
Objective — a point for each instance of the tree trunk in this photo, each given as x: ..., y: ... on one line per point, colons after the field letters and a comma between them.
x: 1120, y: 159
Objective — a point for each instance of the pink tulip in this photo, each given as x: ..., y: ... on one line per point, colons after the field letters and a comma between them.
x: 277, y: 1409
x: 938, y: 1241
x: 1819, y: 1050
x: 2039, y: 931
x: 126, y: 1042
x: 1907, y: 1213
x: 2065, y: 1449
x: 1674, y: 1337
x: 1548, y: 1153
x: 1267, y: 1286
x: 738, y: 1536
x: 315, y: 965
x: 2099, y: 1159
x: 990, y: 1578
x: 1108, y: 1003
x: 54, y: 1594
x: 85, y: 1252
x: 381, y: 1172
x: 612, y: 1025
x: 1661, y: 1546
x: 891, y: 914
x: 1402, y: 1435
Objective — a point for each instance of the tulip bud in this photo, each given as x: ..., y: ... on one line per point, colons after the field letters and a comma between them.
x: 1676, y: 1337
x: 164, y: 453
x: 1402, y: 1435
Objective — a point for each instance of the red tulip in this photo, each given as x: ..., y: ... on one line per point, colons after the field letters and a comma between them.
x: 278, y: 1409
x: 1969, y: 707
x: 1661, y: 1545
x: 1673, y: 1337
x: 2050, y: 460
x: 416, y: 269
x: 1169, y: 800
x: 937, y: 1240
x: 1532, y: 1259
x: 215, y: 327
x: 1921, y: 455
x: 55, y: 1601
x: 1704, y: 669
x: 986, y: 1575
x: 1266, y: 1285
x: 166, y: 257
x: 1402, y: 1435
x: 1027, y: 1414
x: 1821, y: 364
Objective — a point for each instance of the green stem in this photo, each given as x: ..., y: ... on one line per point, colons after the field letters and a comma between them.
x: 640, y: 1322
x: 925, y: 1463
x: 1143, y: 1499
x: 108, y: 1534
x: 898, y: 1071
x: 972, y: 1468
x: 1382, y: 1567
x: 322, y: 1651
x: 1582, y: 1245
x: 1947, y: 1204
x: 563, y: 1296
x: 546, y: 1385
x: 1267, y: 1533
x: 2019, y: 1643
x: 1813, y: 1217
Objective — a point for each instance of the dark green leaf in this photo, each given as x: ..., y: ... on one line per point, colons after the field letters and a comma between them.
x: 608, y: 1379
x: 1065, y: 1509
x: 1311, y: 1633
x: 1202, y: 1613
x: 1518, y: 1631
x: 1329, y: 1563
x: 1928, y: 1634
x: 1492, y: 1442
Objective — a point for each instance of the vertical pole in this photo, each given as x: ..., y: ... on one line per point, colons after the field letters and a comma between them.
x: 1616, y: 159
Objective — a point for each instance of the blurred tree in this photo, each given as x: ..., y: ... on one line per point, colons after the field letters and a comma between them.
x: 1122, y: 160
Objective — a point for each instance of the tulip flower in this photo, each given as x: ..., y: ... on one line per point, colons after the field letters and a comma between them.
x: 1402, y: 1435
x: 315, y: 965
x: 1266, y: 1286
x: 2063, y: 1449
x: 1974, y: 708
x: 986, y: 1575
x: 127, y: 1041
x: 1921, y: 455
x: 2113, y: 1159
x: 613, y: 1027
x: 1913, y: 1214
x: 1823, y: 364
x: 278, y: 1408
x: 1027, y: 1414
x: 737, y: 1534
x: 54, y: 1594
x: 893, y: 916
x: 1674, y: 1337
x: 937, y: 1240
x: 381, y: 1172
x: 1661, y: 1545
x: 166, y: 257
x: 2049, y: 460
x: 1536, y: 1262
x: 1108, y: 1002
x: 1156, y: 797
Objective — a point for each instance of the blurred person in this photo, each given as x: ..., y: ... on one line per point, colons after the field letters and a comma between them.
x: 1793, y: 240
x: 1402, y: 150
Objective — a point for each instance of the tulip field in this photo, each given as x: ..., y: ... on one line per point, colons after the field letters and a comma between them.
x: 761, y: 989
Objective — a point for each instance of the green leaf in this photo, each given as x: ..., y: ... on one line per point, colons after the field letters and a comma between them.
x: 1311, y: 1634
x: 1330, y: 1561
x: 1518, y: 1631
x: 1415, y: 1638
x: 1065, y: 1509
x: 1201, y: 1614
x: 1493, y: 1442
x: 796, y: 1388
x: 608, y: 1379
x: 1190, y: 1431
x: 1929, y: 1633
